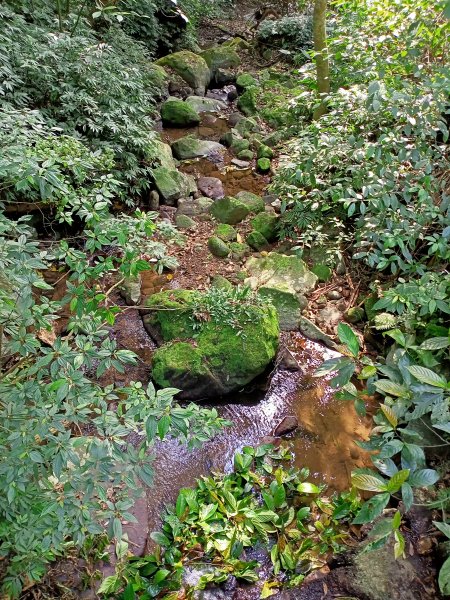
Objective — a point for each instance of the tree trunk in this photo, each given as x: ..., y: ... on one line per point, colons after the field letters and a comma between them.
x: 321, y: 49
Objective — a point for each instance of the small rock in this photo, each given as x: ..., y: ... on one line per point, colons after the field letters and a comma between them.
x: 263, y: 165
x: 232, y: 95
x: 269, y: 199
x: 226, y: 232
x: 185, y: 222
x: 265, y: 152
x: 234, y: 119
x: 221, y: 283
x: 355, y: 314
x: 245, y: 155
x: 177, y: 113
x: 229, y: 210
x: 218, y: 247
x: 131, y: 290
x: 240, y: 164
x: 211, y: 187
x: 330, y: 315
x: 213, y: 103
x: 333, y: 295
x: 257, y: 241
x: 224, y: 77
x: 254, y: 203
x: 153, y: 200
x: 287, y: 361
x: 285, y: 426
x: 276, y: 205
x: 270, y: 439
x: 194, y: 207
x: 239, y: 251
x: 341, y: 269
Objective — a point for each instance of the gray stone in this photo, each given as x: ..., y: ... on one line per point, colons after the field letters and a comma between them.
x: 194, y: 208
x: 240, y: 164
x: 285, y: 280
x: 201, y: 104
x: 218, y: 247
x: 334, y: 295
x: 153, y: 200
x: 211, y: 187
x: 185, y: 222
x: 131, y: 290
x: 285, y: 426
x: 172, y: 184
x: 190, y: 67
x: 191, y: 147
x: 313, y: 332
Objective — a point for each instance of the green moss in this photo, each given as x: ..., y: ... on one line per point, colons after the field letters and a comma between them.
x: 212, y: 364
x: 239, y: 250
x: 222, y: 283
x: 185, y: 222
x: 225, y: 232
x: 245, y: 80
x: 257, y: 241
x: 229, y: 210
x: 239, y: 145
x: 355, y: 314
x: 265, y: 152
x: 267, y: 225
x: 170, y: 315
x: 220, y: 57
x: 322, y: 271
x: 218, y: 247
x: 247, y: 102
x: 179, y: 114
x: 247, y: 126
x: 263, y: 165
x: 253, y: 202
x: 190, y: 67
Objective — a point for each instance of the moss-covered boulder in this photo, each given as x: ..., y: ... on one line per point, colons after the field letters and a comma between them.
x: 285, y: 280
x: 247, y: 126
x: 263, y: 165
x: 254, y: 203
x: 239, y: 250
x: 245, y: 155
x: 204, y: 358
x: 239, y: 145
x: 218, y: 247
x: 247, y: 102
x: 245, y: 80
x: 229, y: 210
x: 201, y: 104
x: 185, y: 222
x: 190, y: 67
x: 191, y: 147
x: 264, y: 151
x: 220, y: 57
x: 355, y: 314
x: 221, y: 283
x: 194, y: 207
x: 257, y: 241
x: 267, y: 224
x: 179, y: 114
x: 172, y: 184
x: 226, y: 232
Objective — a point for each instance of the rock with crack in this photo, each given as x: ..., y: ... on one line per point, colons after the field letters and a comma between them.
x: 190, y: 67
x: 191, y: 147
x: 204, y: 357
x: 285, y: 281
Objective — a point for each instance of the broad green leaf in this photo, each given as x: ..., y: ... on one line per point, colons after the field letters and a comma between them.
x: 368, y: 371
x: 368, y: 483
x: 423, y: 478
x: 308, y: 488
x: 390, y: 388
x: 444, y: 578
x: 160, y: 538
x: 109, y: 585
x: 427, y: 376
x: 397, y: 480
x: 407, y: 496
x: 207, y: 511
x: 399, y: 546
x: 444, y: 527
x: 348, y: 337
x: 371, y: 509
x: 390, y: 415
x: 436, y: 343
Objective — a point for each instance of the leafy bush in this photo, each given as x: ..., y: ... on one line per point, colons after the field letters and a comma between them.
x: 290, y: 33
x: 66, y: 464
x: 262, y: 501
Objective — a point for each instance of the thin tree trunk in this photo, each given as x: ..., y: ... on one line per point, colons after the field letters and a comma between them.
x: 321, y: 49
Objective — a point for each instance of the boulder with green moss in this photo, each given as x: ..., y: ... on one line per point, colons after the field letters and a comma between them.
x: 245, y: 155
x: 220, y: 57
x: 185, y: 222
x: 264, y: 151
x: 239, y: 145
x: 222, y: 283
x: 226, y: 232
x: 247, y: 126
x: 177, y: 113
x: 239, y: 250
x: 191, y: 147
x: 247, y: 102
x: 204, y: 358
x: 229, y: 210
x: 172, y: 184
x: 263, y: 165
x: 245, y: 80
x: 257, y: 241
x: 201, y: 104
x: 254, y: 203
x: 285, y: 280
x: 267, y: 224
x: 218, y: 247
x: 190, y: 67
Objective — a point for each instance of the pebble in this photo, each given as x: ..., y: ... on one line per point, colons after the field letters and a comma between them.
x: 240, y: 164
x: 334, y: 295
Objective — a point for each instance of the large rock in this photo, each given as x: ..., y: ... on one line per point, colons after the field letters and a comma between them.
x: 162, y: 154
x: 211, y: 187
x: 254, y: 203
x: 267, y: 224
x: 190, y: 67
x: 191, y: 147
x: 179, y: 114
x: 220, y: 57
x: 194, y: 208
x: 285, y: 280
x: 204, y: 358
x: 229, y: 210
x: 247, y: 126
x: 172, y: 184
x: 202, y: 104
